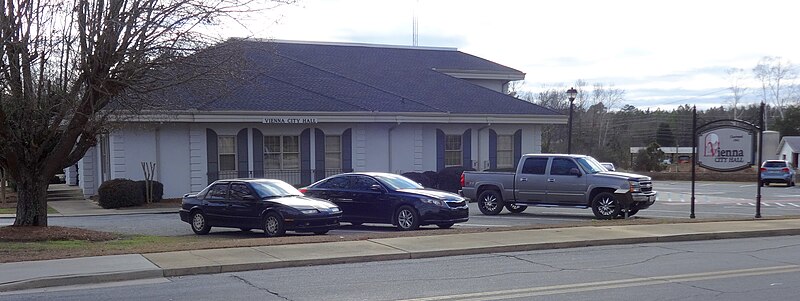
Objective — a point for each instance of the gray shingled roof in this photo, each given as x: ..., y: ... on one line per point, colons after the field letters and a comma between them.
x: 297, y: 77
x: 793, y: 142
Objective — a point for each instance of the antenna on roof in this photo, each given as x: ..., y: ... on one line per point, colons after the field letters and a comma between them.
x: 415, y: 30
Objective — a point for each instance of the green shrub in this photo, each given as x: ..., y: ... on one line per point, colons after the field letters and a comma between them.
x: 118, y: 193
x: 420, y: 178
x: 450, y: 178
x: 433, y: 177
x: 158, y: 190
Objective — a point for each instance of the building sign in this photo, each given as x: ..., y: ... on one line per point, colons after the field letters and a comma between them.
x: 725, y: 149
x: 289, y: 120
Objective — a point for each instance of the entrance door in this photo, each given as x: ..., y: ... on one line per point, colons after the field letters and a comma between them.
x: 105, y: 159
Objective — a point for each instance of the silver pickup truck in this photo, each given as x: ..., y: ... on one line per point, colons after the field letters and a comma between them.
x: 559, y: 180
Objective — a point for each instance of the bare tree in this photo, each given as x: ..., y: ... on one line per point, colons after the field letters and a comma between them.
x: 737, y: 78
x: 776, y: 76
x: 604, y: 100
x: 67, y: 66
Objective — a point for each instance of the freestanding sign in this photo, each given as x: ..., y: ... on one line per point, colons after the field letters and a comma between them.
x: 727, y: 145
x: 726, y: 148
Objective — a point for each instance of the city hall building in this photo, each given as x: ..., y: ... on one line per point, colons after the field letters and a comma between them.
x: 307, y: 110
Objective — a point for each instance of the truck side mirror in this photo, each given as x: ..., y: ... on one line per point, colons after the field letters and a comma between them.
x: 575, y: 172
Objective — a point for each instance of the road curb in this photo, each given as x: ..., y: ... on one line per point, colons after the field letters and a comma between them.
x: 242, y: 267
x: 174, y: 272
x: 80, y: 279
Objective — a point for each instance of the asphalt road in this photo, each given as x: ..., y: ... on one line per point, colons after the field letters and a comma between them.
x: 713, y: 200
x: 740, y: 269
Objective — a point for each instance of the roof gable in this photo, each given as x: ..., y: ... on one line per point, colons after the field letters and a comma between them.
x: 792, y: 141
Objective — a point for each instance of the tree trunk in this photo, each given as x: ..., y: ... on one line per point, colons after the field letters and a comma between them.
x: 31, y: 199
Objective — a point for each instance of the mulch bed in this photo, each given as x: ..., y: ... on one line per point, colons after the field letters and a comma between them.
x: 165, y: 203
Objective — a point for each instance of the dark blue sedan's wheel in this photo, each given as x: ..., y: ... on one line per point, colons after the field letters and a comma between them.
x: 200, y: 224
x: 273, y: 225
x: 407, y: 218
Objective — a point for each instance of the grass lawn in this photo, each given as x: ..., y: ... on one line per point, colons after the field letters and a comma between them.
x: 39, y: 250
x: 14, y: 210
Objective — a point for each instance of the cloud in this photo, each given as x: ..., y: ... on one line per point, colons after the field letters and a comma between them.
x: 659, y: 52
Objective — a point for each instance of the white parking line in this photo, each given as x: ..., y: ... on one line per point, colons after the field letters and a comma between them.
x: 793, y: 204
x: 781, y: 205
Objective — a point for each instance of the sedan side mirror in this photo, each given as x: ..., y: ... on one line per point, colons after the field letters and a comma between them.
x: 376, y: 187
x: 575, y: 172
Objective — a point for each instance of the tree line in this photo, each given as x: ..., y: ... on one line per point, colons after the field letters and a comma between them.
x: 607, y: 130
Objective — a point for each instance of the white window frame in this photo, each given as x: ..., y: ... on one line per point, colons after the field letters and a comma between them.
x: 220, y: 154
x: 329, y: 152
x: 282, y: 152
x: 459, y: 151
x: 509, y: 151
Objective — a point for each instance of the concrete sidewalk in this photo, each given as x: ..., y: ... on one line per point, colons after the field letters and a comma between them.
x: 89, y: 208
x: 50, y: 273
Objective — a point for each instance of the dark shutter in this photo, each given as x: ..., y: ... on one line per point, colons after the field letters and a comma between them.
x: 305, y: 157
x: 440, y: 137
x: 212, y: 157
x: 492, y: 149
x: 241, y: 154
x: 517, y: 145
x: 258, y: 154
x: 347, y: 151
x: 319, y: 153
x: 466, y: 149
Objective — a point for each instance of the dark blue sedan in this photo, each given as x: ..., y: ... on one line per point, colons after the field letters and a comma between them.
x: 271, y: 205
x: 386, y: 198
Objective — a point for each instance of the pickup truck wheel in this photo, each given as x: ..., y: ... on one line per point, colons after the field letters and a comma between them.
x: 490, y: 202
x: 605, y: 206
x: 514, y: 208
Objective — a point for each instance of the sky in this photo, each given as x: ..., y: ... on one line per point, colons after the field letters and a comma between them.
x: 662, y: 53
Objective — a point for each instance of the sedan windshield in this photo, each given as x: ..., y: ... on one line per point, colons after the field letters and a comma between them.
x: 267, y: 189
x: 397, y: 182
x: 590, y: 165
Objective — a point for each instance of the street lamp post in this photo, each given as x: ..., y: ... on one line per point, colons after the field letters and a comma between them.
x: 571, y: 93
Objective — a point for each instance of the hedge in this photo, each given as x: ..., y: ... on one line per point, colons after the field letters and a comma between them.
x: 118, y: 193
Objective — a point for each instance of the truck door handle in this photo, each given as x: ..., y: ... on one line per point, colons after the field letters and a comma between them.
x: 551, y: 180
x: 523, y: 179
